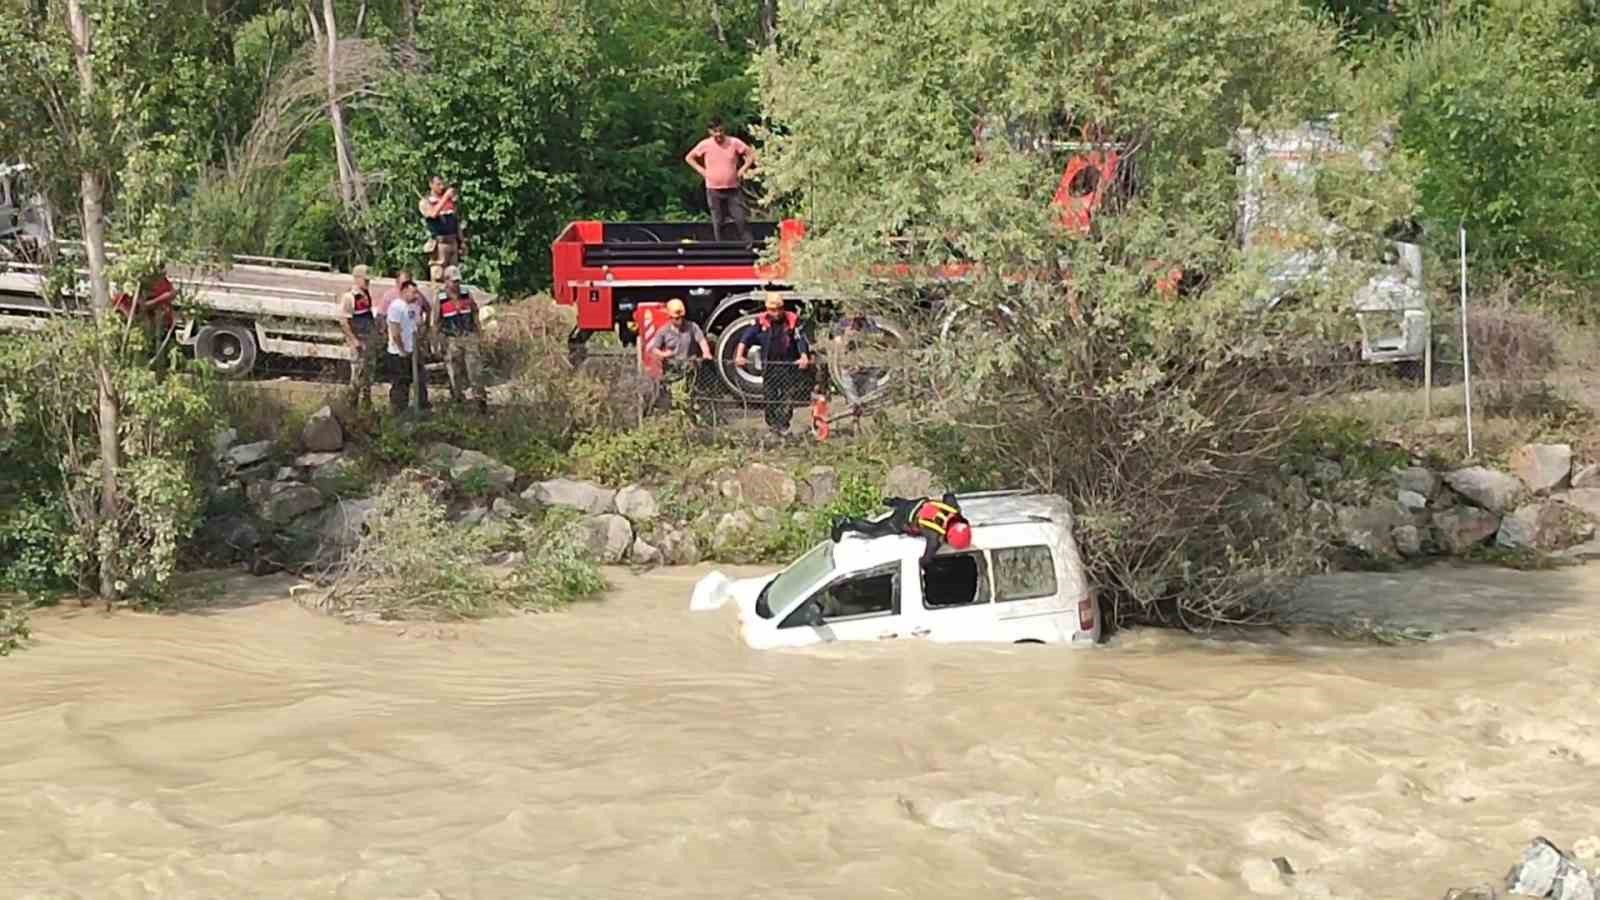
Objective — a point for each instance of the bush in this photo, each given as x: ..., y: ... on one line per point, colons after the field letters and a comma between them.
x: 13, y: 626
x: 402, y: 570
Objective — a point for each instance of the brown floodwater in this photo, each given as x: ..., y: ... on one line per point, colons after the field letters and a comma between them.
x: 628, y: 748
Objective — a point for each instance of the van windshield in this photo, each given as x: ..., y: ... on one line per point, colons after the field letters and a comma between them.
x: 804, y: 572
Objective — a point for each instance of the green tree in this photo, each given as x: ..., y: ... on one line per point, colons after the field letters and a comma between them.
x: 1061, y: 361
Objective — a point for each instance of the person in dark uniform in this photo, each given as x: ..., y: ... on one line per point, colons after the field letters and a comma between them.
x: 935, y: 521
x: 785, y: 357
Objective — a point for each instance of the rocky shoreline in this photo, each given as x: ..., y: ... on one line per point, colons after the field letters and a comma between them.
x: 1543, y: 871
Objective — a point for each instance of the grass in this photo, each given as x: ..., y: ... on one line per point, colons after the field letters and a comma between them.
x: 14, y: 633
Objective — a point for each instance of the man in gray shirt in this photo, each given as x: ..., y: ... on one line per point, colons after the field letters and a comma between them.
x: 673, y: 343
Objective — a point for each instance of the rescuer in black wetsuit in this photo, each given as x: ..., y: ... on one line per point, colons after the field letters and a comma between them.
x: 935, y: 521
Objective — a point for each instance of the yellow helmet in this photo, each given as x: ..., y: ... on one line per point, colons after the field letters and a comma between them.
x: 774, y: 300
x: 675, y: 308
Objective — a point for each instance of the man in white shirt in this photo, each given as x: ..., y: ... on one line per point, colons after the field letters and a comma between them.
x: 402, y: 319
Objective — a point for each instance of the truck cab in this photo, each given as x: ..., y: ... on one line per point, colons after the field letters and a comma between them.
x: 1021, y: 581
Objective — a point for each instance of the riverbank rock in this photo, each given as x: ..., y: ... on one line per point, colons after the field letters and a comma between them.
x: 638, y: 503
x: 1541, y: 526
x: 284, y: 501
x: 1486, y: 488
x: 322, y: 432
x: 763, y: 485
x: 1325, y: 471
x: 1412, y: 501
x: 1544, y: 871
x: 222, y: 442
x: 1417, y: 480
x: 580, y: 495
x: 731, y: 529
x: 1586, y: 477
x: 1584, y: 500
x: 470, y: 465
x: 1480, y: 892
x: 644, y: 554
x: 1371, y: 529
x: 311, y: 461
x: 472, y: 515
x: 1462, y: 528
x: 505, y: 508
x: 343, y: 523
x: 244, y: 455
x: 820, y: 487
x: 678, y: 547
x: 1542, y: 467
x: 908, y: 481
x: 335, y: 476
x: 1407, y: 540
x: 610, y: 536
x: 230, y: 537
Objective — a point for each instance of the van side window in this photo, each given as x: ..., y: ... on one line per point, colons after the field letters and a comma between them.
x: 959, y: 579
x: 875, y: 592
x: 1024, y: 573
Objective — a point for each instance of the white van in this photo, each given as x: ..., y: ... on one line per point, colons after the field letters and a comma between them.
x: 1021, y: 581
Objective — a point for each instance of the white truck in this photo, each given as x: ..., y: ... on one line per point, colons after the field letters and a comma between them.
x: 232, y: 319
x: 1391, y: 306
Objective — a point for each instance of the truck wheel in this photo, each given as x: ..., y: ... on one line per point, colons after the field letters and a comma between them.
x: 745, y: 383
x: 878, y: 382
x: 230, y: 350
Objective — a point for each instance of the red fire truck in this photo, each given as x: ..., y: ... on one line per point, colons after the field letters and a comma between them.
x: 619, y: 275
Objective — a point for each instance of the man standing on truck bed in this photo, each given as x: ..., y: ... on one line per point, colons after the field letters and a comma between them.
x: 457, y: 314
x: 723, y: 162
x: 438, y: 210
x: 785, y: 356
x: 355, y: 319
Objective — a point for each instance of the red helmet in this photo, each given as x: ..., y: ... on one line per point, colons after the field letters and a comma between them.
x: 959, y: 534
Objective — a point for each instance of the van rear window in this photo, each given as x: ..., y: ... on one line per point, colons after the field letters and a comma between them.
x: 1024, y: 573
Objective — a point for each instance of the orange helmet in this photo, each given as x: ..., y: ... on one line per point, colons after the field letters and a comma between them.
x: 959, y: 534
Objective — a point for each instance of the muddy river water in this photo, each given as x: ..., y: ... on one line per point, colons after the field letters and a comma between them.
x: 630, y: 749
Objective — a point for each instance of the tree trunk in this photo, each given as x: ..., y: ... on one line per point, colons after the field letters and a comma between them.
x: 350, y: 190
x: 769, y: 21
x: 716, y: 22
x: 94, y: 239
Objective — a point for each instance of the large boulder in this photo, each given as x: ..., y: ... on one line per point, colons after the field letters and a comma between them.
x: 470, y: 465
x: 1412, y: 501
x: 440, y: 455
x: 1586, y: 476
x: 284, y: 501
x: 609, y: 537
x: 764, y: 485
x: 231, y: 536
x: 334, y: 477
x: 638, y: 503
x: 678, y: 547
x: 1542, y: 467
x: 242, y: 455
x: 580, y: 495
x: 1584, y: 500
x: 1535, y: 874
x: 1486, y: 488
x: 1464, y: 527
x: 1540, y: 526
x: 1371, y: 529
x: 1417, y: 480
x: 908, y: 481
x: 505, y: 508
x: 322, y: 432
x: 222, y: 442
x: 315, y: 460
x: 820, y: 487
x: 342, y: 523
x: 731, y: 531
x: 1407, y: 540
x: 644, y: 554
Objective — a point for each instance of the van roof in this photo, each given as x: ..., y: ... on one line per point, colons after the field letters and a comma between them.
x: 1013, y: 507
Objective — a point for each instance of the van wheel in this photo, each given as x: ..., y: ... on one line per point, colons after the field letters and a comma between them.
x: 230, y: 350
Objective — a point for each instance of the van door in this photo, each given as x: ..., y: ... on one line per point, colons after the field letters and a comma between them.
x: 862, y: 606
x: 956, y: 593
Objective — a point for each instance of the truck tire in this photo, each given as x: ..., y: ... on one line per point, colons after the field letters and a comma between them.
x: 230, y: 350
x: 744, y: 383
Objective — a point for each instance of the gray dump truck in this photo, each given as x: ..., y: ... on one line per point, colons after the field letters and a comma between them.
x: 233, y: 318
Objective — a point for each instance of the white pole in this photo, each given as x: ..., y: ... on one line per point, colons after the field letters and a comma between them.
x: 1427, y: 364
x: 1466, y: 351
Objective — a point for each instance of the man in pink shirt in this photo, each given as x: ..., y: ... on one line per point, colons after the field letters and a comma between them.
x: 723, y: 162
